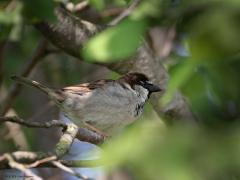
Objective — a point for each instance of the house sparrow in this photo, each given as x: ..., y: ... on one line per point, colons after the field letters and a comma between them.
x: 104, y: 105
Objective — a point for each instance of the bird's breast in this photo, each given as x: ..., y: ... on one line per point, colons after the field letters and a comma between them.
x: 107, y: 110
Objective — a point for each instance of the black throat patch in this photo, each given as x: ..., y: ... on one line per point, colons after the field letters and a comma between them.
x: 138, y: 109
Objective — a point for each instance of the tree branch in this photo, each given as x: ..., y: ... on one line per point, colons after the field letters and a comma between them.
x: 42, y: 159
x: 15, y: 119
x: 66, y: 140
x: 90, y: 136
x: 69, y: 29
x: 25, y: 160
x: 70, y: 132
x: 81, y: 133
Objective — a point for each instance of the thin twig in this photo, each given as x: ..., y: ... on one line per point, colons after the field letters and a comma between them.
x: 125, y: 13
x: 66, y: 140
x: 15, y: 133
x: 61, y: 148
x: 7, y: 101
x: 78, y: 7
x: 15, y: 119
x: 15, y: 89
x: 41, y: 161
x: 69, y: 170
x: 13, y: 164
x: 27, y: 157
x: 82, y: 133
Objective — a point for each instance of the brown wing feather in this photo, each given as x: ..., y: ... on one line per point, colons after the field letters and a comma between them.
x: 86, y: 87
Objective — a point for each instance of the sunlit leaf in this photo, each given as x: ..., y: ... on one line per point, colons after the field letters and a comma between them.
x: 113, y: 155
x: 147, y: 8
x: 188, y: 152
x: 6, y: 17
x: 220, y: 38
x: 115, y: 43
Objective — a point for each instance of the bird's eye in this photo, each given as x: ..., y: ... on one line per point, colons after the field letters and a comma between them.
x: 141, y: 83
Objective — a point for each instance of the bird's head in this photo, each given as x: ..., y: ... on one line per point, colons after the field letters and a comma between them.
x: 140, y: 82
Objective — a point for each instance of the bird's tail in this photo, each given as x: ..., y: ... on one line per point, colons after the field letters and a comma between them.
x: 52, y: 94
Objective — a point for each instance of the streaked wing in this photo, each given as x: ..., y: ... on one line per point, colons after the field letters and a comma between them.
x: 86, y: 87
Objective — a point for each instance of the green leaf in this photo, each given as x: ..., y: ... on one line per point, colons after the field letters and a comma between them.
x: 178, y: 78
x: 8, y: 17
x: 39, y: 9
x: 148, y: 8
x: 121, y: 2
x: 115, y: 43
x: 98, y: 4
x: 10, y: 22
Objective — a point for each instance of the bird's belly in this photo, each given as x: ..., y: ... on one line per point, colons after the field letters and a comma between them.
x: 108, y: 118
x: 105, y: 111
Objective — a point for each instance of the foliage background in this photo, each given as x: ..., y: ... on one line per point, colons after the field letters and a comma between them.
x: 203, y: 62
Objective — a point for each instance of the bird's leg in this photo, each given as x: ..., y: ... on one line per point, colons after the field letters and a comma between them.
x: 94, y: 129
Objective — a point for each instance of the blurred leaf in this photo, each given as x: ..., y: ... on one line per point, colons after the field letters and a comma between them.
x: 4, y: 3
x: 11, y: 17
x: 7, y: 17
x: 129, y: 143
x: 39, y: 9
x: 98, y: 4
x: 18, y: 24
x: 16, y: 31
x: 115, y: 43
x: 10, y: 22
x: 220, y: 38
x: 147, y: 8
x: 64, y: 1
x: 177, y: 153
x: 101, y: 4
x: 179, y: 76
x: 122, y: 2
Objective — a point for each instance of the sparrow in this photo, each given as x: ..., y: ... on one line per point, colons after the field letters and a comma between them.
x: 104, y: 106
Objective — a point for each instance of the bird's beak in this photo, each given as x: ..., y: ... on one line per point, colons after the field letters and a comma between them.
x: 152, y: 87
